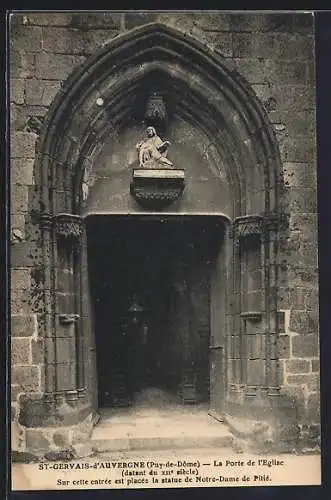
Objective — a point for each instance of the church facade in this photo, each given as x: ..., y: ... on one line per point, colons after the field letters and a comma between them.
x: 184, y: 259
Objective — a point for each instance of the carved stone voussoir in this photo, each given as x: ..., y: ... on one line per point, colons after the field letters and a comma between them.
x: 68, y: 225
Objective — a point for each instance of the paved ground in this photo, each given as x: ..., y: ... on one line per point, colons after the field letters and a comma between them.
x: 155, y: 423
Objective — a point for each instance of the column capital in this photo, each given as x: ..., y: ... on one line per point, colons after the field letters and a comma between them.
x: 69, y: 226
x: 248, y: 225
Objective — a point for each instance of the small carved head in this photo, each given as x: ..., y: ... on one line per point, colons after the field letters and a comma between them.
x: 151, y: 132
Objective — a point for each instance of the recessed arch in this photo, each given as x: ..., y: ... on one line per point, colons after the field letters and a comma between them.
x: 208, y: 94
x: 227, y: 105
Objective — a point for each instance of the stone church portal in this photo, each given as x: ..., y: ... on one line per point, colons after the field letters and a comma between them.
x: 164, y: 221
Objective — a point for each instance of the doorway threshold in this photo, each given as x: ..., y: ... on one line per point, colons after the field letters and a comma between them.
x: 151, y: 428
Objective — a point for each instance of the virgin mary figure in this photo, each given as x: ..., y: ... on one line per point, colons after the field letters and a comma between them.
x: 153, y: 151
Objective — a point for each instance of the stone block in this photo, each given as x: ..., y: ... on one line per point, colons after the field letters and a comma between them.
x: 41, y: 92
x: 305, y: 346
x: 56, y: 66
x: 19, y: 199
x: 299, y: 174
x: 253, y: 300
x: 96, y: 38
x: 38, y: 351
x: 303, y: 22
x: 301, y: 277
x: 250, y: 22
x: 277, y: 22
x: 303, y: 222
x: 17, y: 222
x: 20, y: 301
x: 23, y: 145
x: 256, y: 71
x: 15, y: 390
x: 284, y: 346
x: 297, y: 366
x: 21, y: 254
x: 23, y: 325
x: 65, y: 349
x: 300, y: 379
x: 66, y: 376
x: 22, y: 171
x: 259, y: 45
x: 295, y: 98
x: 302, y: 321
x: 294, y: 46
x: 20, y: 278
x: 27, y: 37
x: 314, y: 383
x: 207, y: 21
x: 17, y: 90
x: 82, y: 450
x: 61, y: 438
x: 16, y: 437
x: 27, y: 377
x: 64, y: 40
x: 49, y: 19
x: 13, y: 412
x: 294, y: 72
x: 20, y: 351
x: 300, y: 124
x: 302, y: 200
x: 86, y: 21
x: 298, y: 150
x: 306, y: 256
x: 133, y: 19
x: 315, y: 365
x: 37, y: 440
x: 313, y: 407
x: 21, y: 117
x: 22, y: 64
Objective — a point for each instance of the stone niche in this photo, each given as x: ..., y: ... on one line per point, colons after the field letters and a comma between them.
x: 156, y: 187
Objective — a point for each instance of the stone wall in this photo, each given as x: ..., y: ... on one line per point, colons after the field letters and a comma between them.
x: 274, y: 52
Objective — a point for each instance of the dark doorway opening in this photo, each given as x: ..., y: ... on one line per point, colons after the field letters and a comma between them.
x: 150, y: 284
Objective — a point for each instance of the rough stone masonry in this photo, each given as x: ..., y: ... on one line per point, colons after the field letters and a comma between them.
x: 274, y: 53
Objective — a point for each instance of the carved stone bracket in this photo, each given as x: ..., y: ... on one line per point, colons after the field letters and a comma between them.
x: 248, y: 225
x: 67, y: 319
x: 69, y: 226
x: 155, y: 188
x: 155, y: 108
x: 255, y: 316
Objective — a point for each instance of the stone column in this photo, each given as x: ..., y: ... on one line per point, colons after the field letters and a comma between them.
x: 68, y: 339
x: 258, y: 308
x: 47, y: 234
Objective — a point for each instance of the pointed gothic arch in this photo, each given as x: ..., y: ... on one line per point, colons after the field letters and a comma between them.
x: 216, y: 99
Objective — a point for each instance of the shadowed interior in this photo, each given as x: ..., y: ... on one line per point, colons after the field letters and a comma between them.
x: 150, y: 288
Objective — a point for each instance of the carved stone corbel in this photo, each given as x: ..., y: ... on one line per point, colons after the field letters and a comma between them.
x: 68, y: 319
x: 247, y: 225
x: 69, y: 226
x: 156, y: 110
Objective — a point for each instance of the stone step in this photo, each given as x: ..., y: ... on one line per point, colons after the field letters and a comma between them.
x: 102, y: 440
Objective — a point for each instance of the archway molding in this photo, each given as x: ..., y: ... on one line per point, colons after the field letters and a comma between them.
x: 213, y: 97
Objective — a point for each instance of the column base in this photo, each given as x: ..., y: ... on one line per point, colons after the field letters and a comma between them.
x: 53, y: 443
x: 267, y: 421
x: 53, y: 409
